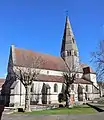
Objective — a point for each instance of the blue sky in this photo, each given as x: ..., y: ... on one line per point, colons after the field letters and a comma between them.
x: 38, y: 25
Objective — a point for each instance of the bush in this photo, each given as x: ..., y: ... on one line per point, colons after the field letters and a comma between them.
x: 61, y: 97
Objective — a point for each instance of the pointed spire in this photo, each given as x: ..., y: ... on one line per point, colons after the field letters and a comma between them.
x: 69, y: 51
x: 68, y: 28
x: 68, y: 42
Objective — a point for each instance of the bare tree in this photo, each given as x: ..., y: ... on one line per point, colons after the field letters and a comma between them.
x: 69, y: 78
x: 98, y: 59
x: 27, y: 76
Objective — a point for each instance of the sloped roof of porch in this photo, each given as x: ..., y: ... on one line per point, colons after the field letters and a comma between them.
x: 51, y: 78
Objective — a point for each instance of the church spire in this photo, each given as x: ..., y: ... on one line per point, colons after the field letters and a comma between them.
x: 68, y: 37
x: 69, y: 48
x: 68, y: 27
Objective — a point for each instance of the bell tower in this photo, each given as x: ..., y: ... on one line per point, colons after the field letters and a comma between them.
x: 69, y: 51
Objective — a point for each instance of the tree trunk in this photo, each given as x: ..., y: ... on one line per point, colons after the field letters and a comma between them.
x: 27, y: 98
x: 67, y: 96
x: 67, y: 100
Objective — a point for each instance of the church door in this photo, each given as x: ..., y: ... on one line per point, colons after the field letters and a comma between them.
x: 80, y: 93
x: 46, y: 94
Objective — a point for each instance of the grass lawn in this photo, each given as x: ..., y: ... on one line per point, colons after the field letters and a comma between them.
x: 75, y: 110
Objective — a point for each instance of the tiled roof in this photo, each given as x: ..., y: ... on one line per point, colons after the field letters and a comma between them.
x: 25, y: 58
x: 51, y: 78
x: 2, y: 80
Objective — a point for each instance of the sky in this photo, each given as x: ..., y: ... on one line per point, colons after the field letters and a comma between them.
x: 38, y: 25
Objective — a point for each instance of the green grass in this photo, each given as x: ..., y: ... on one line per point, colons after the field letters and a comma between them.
x: 75, y: 110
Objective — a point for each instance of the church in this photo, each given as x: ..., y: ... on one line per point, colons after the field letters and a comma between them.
x: 51, y: 75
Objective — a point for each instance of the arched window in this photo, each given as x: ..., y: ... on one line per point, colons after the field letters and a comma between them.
x: 55, y: 88
x: 69, y: 53
x: 86, y: 88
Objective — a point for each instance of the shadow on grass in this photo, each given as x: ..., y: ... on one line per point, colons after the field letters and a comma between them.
x: 99, y: 109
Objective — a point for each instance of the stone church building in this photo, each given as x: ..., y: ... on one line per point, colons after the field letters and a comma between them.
x: 49, y: 84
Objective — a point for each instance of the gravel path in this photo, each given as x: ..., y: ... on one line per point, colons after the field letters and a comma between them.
x: 98, y: 116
